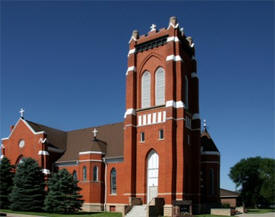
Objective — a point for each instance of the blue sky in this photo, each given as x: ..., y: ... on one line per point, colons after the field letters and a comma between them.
x: 65, y: 63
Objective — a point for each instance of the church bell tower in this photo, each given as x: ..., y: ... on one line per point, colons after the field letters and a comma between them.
x: 161, y: 122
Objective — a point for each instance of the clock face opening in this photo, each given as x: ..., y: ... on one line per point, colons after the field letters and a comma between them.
x: 21, y: 143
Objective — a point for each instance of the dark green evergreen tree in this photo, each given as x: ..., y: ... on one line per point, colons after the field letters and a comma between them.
x: 6, y: 176
x: 28, y: 187
x: 63, y: 194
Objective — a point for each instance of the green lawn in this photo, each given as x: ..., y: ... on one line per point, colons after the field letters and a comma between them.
x: 254, y: 211
x: 208, y: 215
x: 82, y: 214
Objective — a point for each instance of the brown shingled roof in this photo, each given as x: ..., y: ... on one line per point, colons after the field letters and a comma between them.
x: 109, y: 137
x: 228, y: 193
x: 55, y: 137
x: 207, y: 143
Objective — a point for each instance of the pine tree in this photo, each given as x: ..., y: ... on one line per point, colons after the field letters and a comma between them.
x: 6, y: 176
x: 28, y: 190
x: 63, y: 194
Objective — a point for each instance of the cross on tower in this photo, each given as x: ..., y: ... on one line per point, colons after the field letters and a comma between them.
x: 95, y: 131
x: 22, y: 112
x: 153, y: 27
x: 204, y: 124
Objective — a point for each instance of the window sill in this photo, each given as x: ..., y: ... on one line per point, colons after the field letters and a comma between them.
x: 149, y: 108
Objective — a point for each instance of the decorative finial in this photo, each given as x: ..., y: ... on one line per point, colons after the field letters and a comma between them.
x: 153, y: 27
x: 173, y: 22
x: 95, y: 131
x: 21, y: 113
x: 190, y: 40
x: 204, y: 124
x: 135, y: 34
x: 182, y: 31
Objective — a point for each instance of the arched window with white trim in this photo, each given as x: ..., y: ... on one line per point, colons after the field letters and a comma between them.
x: 146, y: 90
x: 113, y: 181
x: 186, y: 92
x: 160, y: 86
x: 95, y: 174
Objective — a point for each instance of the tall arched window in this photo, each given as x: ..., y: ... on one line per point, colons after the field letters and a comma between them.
x: 160, y: 86
x: 186, y: 92
x: 84, y: 173
x: 146, y: 90
x: 211, y: 174
x: 74, y: 175
x: 113, y: 181
x: 95, y: 174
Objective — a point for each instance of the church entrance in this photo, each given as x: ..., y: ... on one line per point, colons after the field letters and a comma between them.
x: 152, y: 175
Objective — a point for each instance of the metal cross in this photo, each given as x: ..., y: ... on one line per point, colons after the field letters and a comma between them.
x: 204, y: 124
x: 95, y: 131
x: 153, y: 27
x: 21, y: 112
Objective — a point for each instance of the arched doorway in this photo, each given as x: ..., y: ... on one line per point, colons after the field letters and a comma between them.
x: 152, y: 175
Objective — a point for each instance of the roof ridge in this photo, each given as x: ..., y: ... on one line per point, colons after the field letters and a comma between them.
x: 42, y: 125
x: 94, y: 127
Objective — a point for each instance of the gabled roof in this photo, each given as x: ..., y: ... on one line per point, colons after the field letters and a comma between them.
x: 228, y: 193
x: 207, y: 143
x: 109, y: 138
x: 55, y: 137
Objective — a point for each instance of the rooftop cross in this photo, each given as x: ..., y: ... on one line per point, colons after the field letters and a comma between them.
x: 204, y: 124
x: 153, y: 27
x: 95, y: 131
x: 22, y: 112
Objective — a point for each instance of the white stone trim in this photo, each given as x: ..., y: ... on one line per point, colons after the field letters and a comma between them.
x: 196, y: 116
x: 210, y: 153
x: 42, y: 152
x: 46, y: 171
x: 26, y: 123
x: 2, y: 146
x: 179, y: 104
x: 90, y: 152
x: 130, y: 111
x: 176, y: 119
x: 172, y: 103
x: 173, y: 38
x: 174, y: 58
x: 131, y: 68
x: 132, y: 38
x: 43, y: 141
x: 194, y: 75
x: 132, y: 51
x: 174, y: 26
x: 91, y: 160
x: 151, y: 118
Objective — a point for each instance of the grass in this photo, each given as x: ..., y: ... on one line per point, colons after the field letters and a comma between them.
x: 208, y: 215
x: 81, y: 214
x: 255, y: 211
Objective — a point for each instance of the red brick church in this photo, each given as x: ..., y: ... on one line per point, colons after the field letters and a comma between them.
x: 158, y: 154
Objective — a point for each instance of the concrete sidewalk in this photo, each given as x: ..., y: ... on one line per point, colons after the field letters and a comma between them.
x: 270, y: 214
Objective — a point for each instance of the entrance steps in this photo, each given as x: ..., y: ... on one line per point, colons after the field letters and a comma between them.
x: 137, y: 211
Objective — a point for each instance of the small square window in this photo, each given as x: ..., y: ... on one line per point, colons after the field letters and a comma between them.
x: 161, y: 134
x: 142, y: 137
